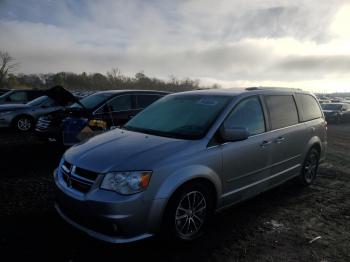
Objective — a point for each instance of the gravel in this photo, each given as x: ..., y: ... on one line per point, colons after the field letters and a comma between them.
x: 288, y: 223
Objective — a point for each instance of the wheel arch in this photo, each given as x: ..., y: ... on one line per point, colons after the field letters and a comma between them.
x: 316, y: 143
x: 174, y: 183
x: 13, y: 122
x: 188, y: 175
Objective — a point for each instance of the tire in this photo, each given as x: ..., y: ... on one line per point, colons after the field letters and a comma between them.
x: 23, y: 123
x: 338, y: 120
x: 188, y: 212
x: 310, y: 167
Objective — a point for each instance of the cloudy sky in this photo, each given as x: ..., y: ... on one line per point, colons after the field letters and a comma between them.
x: 234, y: 43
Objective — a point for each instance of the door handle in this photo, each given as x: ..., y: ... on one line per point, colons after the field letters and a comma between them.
x: 280, y: 139
x: 265, y: 143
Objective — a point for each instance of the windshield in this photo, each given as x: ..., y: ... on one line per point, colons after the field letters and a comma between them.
x: 179, y: 116
x: 92, y: 101
x: 333, y: 107
x: 38, y: 101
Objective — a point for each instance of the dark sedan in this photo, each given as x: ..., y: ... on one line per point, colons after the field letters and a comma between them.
x: 336, y: 112
x: 94, y: 114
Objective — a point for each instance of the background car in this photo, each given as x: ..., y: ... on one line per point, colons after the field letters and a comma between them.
x: 23, y: 117
x: 20, y: 96
x: 94, y: 114
x: 3, y: 91
x: 336, y: 112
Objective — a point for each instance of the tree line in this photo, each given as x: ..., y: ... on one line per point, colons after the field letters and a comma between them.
x: 113, y: 79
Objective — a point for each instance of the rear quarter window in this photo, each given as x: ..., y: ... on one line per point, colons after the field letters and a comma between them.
x: 309, y: 108
x: 20, y: 96
x: 282, y: 111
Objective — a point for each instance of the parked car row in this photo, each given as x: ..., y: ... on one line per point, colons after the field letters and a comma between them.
x: 60, y: 116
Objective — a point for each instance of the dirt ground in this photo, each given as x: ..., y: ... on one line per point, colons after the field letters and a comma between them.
x: 278, y: 225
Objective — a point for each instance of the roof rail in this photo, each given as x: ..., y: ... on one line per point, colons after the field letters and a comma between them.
x: 272, y: 88
x: 252, y: 88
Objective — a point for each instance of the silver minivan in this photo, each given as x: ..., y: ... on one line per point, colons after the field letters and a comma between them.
x: 187, y: 156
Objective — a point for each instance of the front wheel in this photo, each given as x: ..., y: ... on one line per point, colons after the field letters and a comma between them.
x: 24, y: 123
x: 310, y: 167
x: 188, y: 212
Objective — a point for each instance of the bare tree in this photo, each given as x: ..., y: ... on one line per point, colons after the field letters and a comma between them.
x: 7, y: 65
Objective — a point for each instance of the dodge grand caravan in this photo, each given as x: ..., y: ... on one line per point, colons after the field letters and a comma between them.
x: 184, y: 157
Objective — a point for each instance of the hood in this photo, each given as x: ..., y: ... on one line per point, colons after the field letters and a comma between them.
x: 121, y: 150
x: 11, y: 107
x: 62, y: 96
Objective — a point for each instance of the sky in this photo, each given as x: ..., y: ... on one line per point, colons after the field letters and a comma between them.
x: 234, y: 43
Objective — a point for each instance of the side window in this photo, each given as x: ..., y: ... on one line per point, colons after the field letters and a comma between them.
x: 248, y: 114
x: 34, y: 94
x: 120, y: 103
x: 283, y: 111
x: 308, y: 106
x: 18, y: 97
x: 50, y: 102
x: 144, y: 101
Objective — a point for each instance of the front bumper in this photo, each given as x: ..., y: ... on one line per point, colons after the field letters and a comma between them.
x: 98, y: 235
x: 106, y: 215
x: 5, y: 121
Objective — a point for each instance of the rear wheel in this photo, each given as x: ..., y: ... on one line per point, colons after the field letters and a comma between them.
x: 23, y: 123
x: 338, y: 120
x: 188, y: 212
x: 310, y: 167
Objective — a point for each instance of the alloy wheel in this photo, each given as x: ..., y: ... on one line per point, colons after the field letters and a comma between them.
x: 24, y: 124
x: 310, y: 168
x: 190, y: 214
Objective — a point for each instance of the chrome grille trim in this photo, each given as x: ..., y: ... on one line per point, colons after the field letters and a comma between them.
x: 73, y: 180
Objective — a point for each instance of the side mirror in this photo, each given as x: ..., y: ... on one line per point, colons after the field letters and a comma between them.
x: 234, y: 133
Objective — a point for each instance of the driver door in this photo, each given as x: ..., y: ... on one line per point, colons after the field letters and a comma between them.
x: 246, y: 163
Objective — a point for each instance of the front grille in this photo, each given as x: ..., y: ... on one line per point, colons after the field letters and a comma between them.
x: 86, y: 173
x: 43, y: 123
x: 77, y: 178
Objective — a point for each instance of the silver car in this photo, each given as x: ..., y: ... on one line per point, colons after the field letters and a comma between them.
x: 187, y: 156
x: 23, y: 117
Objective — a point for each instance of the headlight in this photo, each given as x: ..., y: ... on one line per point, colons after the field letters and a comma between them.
x: 126, y: 183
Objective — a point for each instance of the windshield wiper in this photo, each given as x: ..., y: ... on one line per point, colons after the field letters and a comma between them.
x: 155, y: 132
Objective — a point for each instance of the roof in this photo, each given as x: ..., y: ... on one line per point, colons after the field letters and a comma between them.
x: 249, y: 90
x: 132, y: 91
